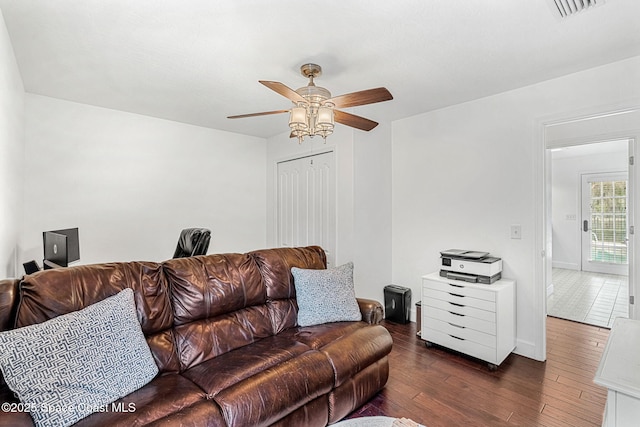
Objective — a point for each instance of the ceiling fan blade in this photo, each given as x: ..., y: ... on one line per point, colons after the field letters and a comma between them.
x: 353, y: 120
x: 363, y: 97
x: 283, y: 90
x: 264, y: 113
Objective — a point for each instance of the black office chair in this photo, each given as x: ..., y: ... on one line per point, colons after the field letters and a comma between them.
x: 192, y: 242
x: 31, y: 267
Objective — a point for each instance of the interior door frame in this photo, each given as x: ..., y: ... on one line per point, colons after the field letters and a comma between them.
x: 542, y: 199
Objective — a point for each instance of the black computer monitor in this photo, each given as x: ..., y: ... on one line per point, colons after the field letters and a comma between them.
x: 55, y: 248
x: 61, y: 246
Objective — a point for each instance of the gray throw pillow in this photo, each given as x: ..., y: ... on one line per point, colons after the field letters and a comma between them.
x: 73, y: 365
x: 325, y: 295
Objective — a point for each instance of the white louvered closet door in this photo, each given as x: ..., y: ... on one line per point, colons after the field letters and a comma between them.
x: 307, y: 203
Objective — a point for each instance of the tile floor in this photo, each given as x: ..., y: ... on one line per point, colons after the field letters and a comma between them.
x: 593, y: 298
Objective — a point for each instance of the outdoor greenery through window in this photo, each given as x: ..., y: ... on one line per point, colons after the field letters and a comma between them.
x: 609, y: 222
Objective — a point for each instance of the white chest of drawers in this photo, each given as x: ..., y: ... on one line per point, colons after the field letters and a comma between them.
x: 619, y: 371
x: 475, y: 319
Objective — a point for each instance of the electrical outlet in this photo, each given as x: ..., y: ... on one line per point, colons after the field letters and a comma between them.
x: 516, y: 231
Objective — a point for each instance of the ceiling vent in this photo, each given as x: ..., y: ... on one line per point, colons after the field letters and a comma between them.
x: 567, y: 8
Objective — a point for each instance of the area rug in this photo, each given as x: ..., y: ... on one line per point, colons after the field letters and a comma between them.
x: 366, y: 422
x: 369, y: 409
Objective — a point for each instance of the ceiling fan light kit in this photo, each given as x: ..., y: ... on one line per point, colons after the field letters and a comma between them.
x: 314, y: 111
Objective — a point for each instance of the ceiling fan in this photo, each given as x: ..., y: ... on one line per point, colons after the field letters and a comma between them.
x: 315, y: 111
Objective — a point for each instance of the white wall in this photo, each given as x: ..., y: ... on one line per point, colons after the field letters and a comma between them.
x: 372, y: 211
x: 462, y: 175
x: 11, y: 155
x: 567, y: 170
x: 131, y: 182
x: 363, y: 180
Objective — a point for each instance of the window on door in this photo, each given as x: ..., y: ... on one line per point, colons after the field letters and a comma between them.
x: 609, y: 222
x: 605, y: 225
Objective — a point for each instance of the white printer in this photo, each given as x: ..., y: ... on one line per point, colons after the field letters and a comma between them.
x: 470, y: 266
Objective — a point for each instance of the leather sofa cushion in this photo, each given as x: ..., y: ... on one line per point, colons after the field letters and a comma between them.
x: 318, y: 336
x: 358, y: 389
x: 276, y: 392
x: 203, y: 413
x: 163, y: 396
x: 207, y: 286
x: 284, y: 314
x: 312, y: 414
x: 199, y: 341
x: 350, y: 346
x: 229, y: 369
x: 162, y: 346
x: 48, y: 294
x: 51, y: 293
x: 361, y: 349
x: 275, y: 266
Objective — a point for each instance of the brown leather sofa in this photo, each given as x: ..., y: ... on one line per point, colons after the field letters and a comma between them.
x: 223, y: 333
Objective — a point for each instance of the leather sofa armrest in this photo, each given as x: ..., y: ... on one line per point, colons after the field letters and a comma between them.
x: 371, y: 310
x: 8, y: 303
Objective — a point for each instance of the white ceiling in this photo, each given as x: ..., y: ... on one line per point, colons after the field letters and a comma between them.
x: 198, y: 61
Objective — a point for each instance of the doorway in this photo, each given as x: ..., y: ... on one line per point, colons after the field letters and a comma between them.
x: 590, y: 262
x: 306, y: 203
x: 572, y: 129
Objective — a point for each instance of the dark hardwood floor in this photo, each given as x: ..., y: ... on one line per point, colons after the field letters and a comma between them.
x: 439, y: 388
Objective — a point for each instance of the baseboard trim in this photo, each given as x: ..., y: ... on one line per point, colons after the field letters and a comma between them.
x: 565, y: 265
x: 527, y: 349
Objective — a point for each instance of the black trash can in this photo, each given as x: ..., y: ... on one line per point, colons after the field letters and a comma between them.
x: 397, y: 303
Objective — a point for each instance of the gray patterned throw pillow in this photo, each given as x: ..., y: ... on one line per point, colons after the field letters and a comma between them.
x: 73, y: 365
x: 325, y: 295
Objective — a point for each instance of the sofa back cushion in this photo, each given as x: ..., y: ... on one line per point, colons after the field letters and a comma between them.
x: 51, y: 293
x: 207, y: 286
x: 275, y: 267
x: 219, y: 305
x: 223, y: 302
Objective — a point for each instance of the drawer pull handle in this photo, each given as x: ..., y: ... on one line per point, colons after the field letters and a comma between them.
x: 456, y: 295
x: 456, y: 326
x: 456, y: 286
x: 456, y: 304
x: 458, y: 338
x: 457, y: 314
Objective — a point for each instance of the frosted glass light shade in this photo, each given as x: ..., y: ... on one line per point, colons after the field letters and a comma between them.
x: 325, y: 116
x: 298, y: 118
